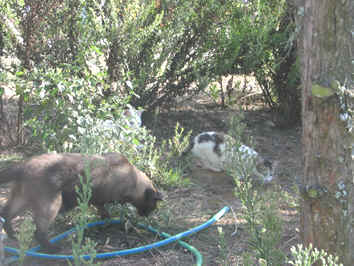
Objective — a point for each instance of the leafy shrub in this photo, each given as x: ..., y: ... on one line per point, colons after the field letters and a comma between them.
x: 61, y: 107
x: 165, y: 48
x: 259, y: 39
x: 166, y: 51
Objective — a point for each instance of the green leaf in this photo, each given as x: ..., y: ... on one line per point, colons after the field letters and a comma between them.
x: 321, y: 92
x: 20, y: 73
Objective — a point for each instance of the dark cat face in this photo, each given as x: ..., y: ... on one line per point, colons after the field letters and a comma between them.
x: 149, y: 203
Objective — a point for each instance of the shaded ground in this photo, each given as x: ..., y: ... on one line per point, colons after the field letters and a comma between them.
x: 190, y: 206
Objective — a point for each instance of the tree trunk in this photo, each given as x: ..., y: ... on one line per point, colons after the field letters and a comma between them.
x: 327, y: 89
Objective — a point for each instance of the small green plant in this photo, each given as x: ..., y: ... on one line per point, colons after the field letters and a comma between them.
x: 168, y: 164
x: 179, y: 142
x: 214, y: 92
x: 308, y: 256
x: 24, y: 237
x: 259, y: 209
x: 175, y: 148
x: 222, y: 246
x: 79, y: 246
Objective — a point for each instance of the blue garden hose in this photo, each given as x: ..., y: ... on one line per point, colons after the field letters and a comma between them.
x: 169, y: 239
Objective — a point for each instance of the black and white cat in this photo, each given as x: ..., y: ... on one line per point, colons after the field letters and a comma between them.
x: 210, y: 148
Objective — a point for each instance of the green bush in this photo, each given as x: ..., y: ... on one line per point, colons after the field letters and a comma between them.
x: 61, y: 108
x: 259, y: 39
x: 164, y: 48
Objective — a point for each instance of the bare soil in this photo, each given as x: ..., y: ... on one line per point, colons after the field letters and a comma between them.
x: 190, y: 206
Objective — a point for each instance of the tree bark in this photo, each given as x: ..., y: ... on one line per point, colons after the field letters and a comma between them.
x: 327, y: 88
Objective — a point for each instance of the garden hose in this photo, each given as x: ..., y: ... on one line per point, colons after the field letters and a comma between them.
x: 168, y: 239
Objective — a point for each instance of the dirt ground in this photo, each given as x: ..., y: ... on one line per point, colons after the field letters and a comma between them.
x: 190, y: 206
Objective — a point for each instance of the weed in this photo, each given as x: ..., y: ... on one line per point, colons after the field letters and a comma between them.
x: 168, y: 164
x: 259, y: 209
x: 24, y: 237
x: 222, y: 246
x: 79, y: 247
x: 308, y: 256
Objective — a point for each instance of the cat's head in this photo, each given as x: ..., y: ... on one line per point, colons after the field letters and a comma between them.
x: 149, y: 202
x: 267, y: 169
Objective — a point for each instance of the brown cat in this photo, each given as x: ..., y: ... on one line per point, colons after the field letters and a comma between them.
x: 46, y: 183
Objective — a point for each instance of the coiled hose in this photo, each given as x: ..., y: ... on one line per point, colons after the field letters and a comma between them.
x: 168, y: 239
